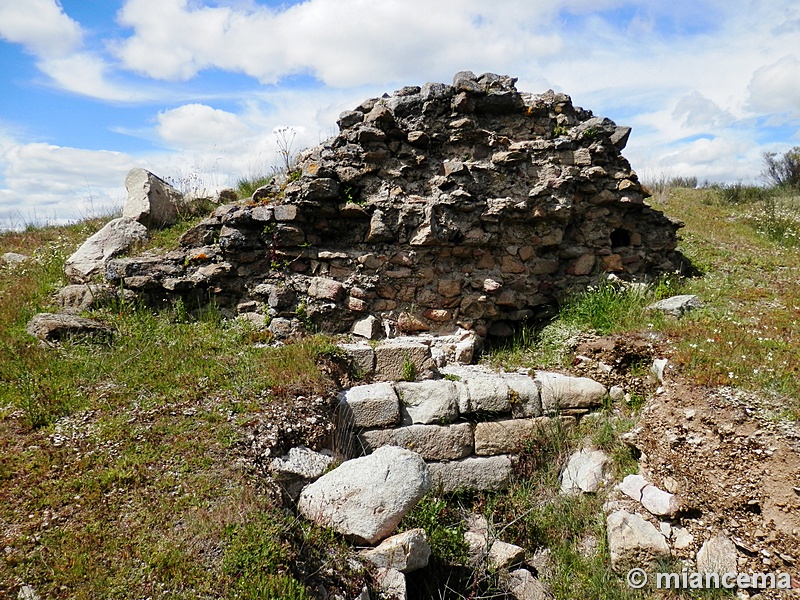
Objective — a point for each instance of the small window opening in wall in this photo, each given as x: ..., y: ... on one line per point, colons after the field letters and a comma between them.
x: 620, y: 237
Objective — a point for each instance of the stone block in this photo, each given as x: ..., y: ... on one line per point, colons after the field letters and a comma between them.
x: 327, y: 289
x: 151, y: 201
x: 432, y: 442
x: 369, y: 327
x: 391, y: 356
x: 365, y: 498
x: 503, y: 437
x: 473, y: 473
x: 632, y: 541
x: 488, y: 394
x: 427, y: 401
x: 373, y: 405
x: 563, y: 391
x: 525, y: 396
x: 361, y: 356
x: 584, y: 471
x: 405, y: 552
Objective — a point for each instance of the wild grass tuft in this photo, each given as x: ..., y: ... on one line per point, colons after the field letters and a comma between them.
x: 246, y: 186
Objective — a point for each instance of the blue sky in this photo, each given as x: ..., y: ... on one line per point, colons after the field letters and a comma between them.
x: 194, y: 90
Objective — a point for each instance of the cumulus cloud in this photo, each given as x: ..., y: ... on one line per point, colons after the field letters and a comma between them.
x: 775, y: 87
x: 198, y: 126
x: 57, y: 184
x: 695, y: 110
x: 385, y: 41
x: 86, y: 74
x: 41, y: 26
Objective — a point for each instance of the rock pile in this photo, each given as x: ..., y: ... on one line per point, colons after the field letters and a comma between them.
x: 471, y: 205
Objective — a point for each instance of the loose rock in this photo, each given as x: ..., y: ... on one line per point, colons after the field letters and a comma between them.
x: 365, y: 498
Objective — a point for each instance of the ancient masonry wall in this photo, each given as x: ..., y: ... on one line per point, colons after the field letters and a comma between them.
x: 467, y: 424
x: 468, y: 205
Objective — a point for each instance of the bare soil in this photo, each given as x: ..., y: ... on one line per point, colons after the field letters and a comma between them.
x: 732, y: 457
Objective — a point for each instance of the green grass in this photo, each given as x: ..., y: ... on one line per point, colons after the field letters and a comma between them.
x: 246, y: 186
x: 121, y: 462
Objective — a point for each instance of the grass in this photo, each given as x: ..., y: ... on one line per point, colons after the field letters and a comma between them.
x: 246, y: 186
x: 120, y: 463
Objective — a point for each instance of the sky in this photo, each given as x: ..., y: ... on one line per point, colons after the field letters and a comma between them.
x: 198, y: 91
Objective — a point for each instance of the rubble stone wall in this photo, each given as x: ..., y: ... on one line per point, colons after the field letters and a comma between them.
x: 471, y: 205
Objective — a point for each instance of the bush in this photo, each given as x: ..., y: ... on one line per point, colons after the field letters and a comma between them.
x: 784, y: 170
x: 739, y: 193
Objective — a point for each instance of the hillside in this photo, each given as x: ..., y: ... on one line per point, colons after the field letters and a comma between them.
x: 126, y: 469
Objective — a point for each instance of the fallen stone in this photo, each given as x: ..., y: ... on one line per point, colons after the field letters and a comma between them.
x: 372, y: 405
x: 369, y: 327
x: 51, y: 327
x: 563, y: 391
x: 657, y: 369
x: 151, y: 201
x: 632, y: 486
x: 677, y: 306
x: 683, y: 539
x: 633, y: 541
x: 427, y: 401
x: 432, y: 442
x: 473, y: 473
x: 116, y: 237
x: 584, y: 471
x: 405, y: 552
x: 392, y: 584
x: 13, y: 258
x: 503, y: 555
x: 365, y: 498
x: 659, y: 502
x: 524, y: 586
x: 497, y: 553
x: 26, y: 592
x: 616, y: 393
x: 717, y: 555
x: 656, y: 501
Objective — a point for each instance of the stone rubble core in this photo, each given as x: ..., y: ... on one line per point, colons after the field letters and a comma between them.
x: 470, y: 205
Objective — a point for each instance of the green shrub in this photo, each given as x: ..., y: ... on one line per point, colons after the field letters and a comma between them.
x: 784, y: 170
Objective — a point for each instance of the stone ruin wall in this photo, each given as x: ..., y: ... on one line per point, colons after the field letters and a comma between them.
x: 470, y: 205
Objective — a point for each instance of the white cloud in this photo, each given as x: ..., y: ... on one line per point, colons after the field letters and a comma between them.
x: 54, y: 183
x: 342, y: 42
x: 776, y: 87
x: 86, y: 74
x: 695, y: 110
x: 41, y: 26
x: 198, y: 126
